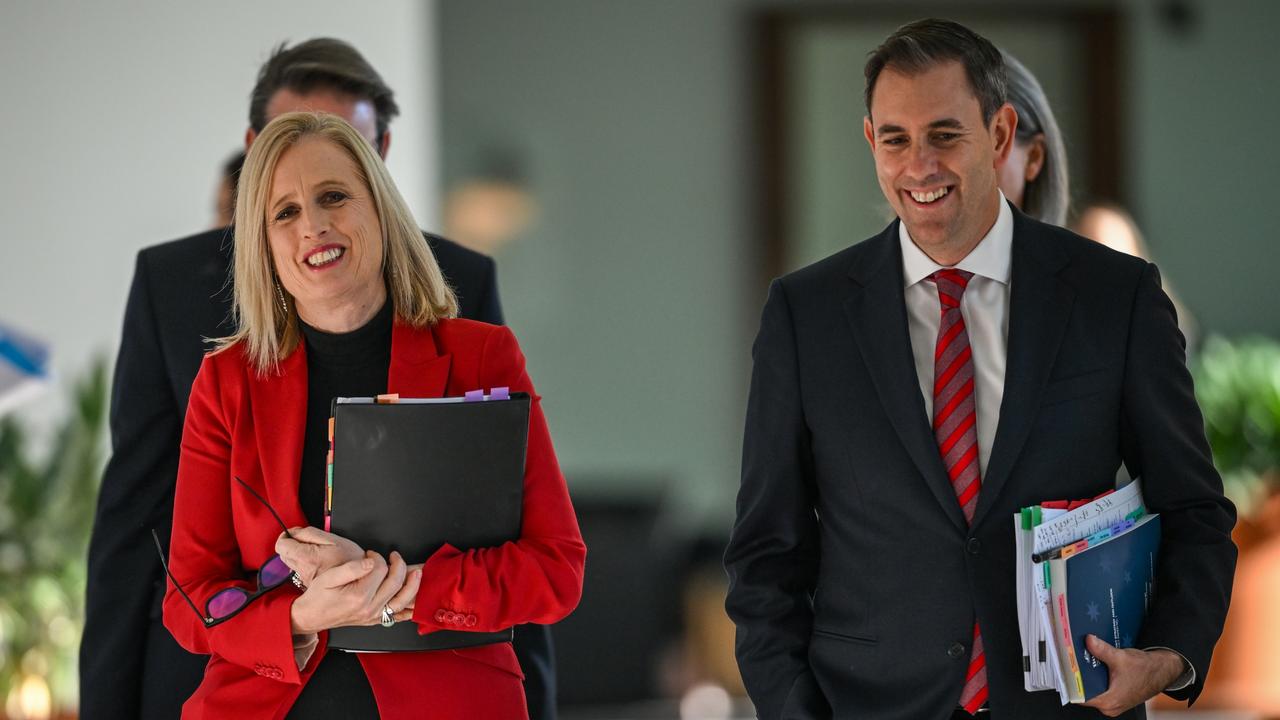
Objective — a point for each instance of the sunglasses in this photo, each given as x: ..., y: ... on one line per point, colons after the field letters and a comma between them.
x: 225, y: 603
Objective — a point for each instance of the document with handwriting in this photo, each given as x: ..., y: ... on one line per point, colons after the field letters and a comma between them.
x: 1088, y: 519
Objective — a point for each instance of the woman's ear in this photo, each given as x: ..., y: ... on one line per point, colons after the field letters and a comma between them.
x: 1035, y: 157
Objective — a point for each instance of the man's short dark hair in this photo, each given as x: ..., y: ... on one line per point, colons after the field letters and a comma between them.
x: 923, y: 44
x: 321, y: 64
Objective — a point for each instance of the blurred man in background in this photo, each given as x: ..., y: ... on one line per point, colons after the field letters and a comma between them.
x: 224, y: 202
x: 130, y: 666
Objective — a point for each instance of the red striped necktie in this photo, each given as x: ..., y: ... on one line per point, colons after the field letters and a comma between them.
x: 955, y: 420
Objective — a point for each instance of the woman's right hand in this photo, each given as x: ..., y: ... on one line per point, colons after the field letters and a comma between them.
x: 309, y: 551
x: 352, y: 593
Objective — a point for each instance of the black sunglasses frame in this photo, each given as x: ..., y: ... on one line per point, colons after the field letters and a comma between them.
x: 206, y: 617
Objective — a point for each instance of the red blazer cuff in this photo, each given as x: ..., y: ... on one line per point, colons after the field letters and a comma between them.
x: 260, y: 637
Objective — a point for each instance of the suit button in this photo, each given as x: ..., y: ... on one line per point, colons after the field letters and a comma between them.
x: 471, y: 621
x: 956, y: 650
x: 441, y: 614
x: 974, y: 546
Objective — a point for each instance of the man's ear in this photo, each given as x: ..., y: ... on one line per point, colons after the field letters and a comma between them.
x: 869, y: 133
x: 249, y: 136
x: 1035, y: 158
x: 385, y: 145
x: 1003, y: 126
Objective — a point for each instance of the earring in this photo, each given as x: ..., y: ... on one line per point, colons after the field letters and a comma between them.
x: 280, y: 294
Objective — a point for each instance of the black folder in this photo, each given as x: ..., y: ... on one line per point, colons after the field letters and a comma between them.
x: 414, y: 474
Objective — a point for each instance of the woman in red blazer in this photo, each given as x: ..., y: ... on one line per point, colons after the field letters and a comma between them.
x: 334, y: 287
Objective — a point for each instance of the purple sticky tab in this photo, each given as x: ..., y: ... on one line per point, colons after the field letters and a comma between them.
x: 474, y: 395
x: 500, y: 393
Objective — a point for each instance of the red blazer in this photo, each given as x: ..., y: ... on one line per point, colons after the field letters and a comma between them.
x: 242, y: 424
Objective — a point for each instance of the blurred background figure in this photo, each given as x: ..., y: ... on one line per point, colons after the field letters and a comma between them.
x: 1113, y: 226
x: 225, y: 200
x: 1035, y: 177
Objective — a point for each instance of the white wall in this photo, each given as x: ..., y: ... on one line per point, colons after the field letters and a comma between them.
x: 116, y: 117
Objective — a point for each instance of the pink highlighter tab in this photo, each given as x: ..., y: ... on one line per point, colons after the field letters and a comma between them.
x: 474, y: 396
x: 500, y: 393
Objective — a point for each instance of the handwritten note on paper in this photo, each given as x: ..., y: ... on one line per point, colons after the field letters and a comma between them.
x: 1089, y: 518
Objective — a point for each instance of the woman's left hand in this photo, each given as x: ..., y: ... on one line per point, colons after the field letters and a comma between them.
x: 403, y: 602
x: 310, y: 551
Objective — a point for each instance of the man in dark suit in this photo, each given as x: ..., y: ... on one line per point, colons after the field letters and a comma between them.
x: 911, y: 392
x: 130, y: 666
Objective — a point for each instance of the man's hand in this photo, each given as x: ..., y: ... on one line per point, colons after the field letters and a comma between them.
x: 310, y: 551
x: 1136, y: 675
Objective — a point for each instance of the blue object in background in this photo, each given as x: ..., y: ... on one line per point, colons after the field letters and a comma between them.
x: 24, y: 368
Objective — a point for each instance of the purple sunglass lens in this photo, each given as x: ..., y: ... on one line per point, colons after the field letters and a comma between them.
x: 226, y: 602
x: 273, y: 573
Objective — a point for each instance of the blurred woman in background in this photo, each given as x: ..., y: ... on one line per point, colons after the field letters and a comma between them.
x: 1034, y: 177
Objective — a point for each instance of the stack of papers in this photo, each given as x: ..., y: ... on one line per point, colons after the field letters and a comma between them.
x: 1086, y: 567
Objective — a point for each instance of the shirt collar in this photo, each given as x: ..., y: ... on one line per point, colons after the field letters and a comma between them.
x: 990, y: 258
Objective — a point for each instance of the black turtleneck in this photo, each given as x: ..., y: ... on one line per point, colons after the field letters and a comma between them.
x: 350, y: 364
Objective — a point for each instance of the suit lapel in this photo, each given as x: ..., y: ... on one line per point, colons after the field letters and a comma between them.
x: 418, y: 369
x: 1039, y: 307
x: 279, y: 406
x: 876, y: 310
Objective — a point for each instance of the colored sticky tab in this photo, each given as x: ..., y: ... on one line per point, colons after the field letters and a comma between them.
x: 500, y: 393
x: 474, y: 395
x: 388, y: 399
x: 1055, y: 504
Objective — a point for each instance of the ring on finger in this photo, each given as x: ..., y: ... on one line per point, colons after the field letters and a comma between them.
x: 388, y: 616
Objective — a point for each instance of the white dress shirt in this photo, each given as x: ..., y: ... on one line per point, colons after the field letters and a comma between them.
x: 985, y: 308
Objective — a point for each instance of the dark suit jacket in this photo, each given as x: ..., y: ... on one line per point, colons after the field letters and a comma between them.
x: 130, y: 666
x: 854, y: 579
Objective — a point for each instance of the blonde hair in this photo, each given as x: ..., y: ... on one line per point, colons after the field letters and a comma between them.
x: 265, y: 323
